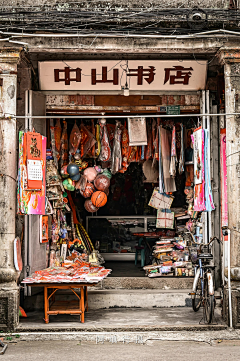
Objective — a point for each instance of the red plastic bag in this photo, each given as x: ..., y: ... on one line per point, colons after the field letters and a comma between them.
x: 57, y: 136
x: 75, y: 138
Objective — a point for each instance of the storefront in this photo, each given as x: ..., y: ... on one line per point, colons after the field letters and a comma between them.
x: 127, y: 170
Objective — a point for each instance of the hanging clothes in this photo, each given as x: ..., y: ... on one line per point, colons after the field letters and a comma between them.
x: 181, y: 160
x: 105, y: 152
x: 117, y: 153
x: 160, y: 163
x: 169, y: 182
x: 208, y: 189
x: 173, y: 163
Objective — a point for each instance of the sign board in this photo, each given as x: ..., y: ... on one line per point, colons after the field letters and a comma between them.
x: 110, y: 75
x: 173, y: 110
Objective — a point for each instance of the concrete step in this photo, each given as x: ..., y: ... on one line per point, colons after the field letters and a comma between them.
x: 131, y: 283
x: 138, y: 298
x: 120, y: 298
x: 119, y: 321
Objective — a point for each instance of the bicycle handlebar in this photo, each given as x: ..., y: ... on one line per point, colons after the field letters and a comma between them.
x: 211, y: 240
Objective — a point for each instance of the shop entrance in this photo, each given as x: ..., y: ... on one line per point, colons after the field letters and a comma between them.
x: 124, y: 230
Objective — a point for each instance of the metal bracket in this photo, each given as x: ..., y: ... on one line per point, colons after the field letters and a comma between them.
x: 4, y: 346
x: 27, y: 268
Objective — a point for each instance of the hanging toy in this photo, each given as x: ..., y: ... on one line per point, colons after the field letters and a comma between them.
x: 88, y: 191
x: 90, y: 173
x: 90, y: 207
x: 68, y: 184
x: 102, y: 182
x: 99, y: 199
x: 107, y: 173
x: 77, y: 155
x: 64, y: 172
x: 72, y: 169
x: 81, y: 184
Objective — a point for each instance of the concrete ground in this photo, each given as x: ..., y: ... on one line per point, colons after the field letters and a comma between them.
x: 122, y: 319
x: 220, y: 350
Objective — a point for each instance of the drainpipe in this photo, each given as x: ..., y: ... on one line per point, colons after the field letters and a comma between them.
x: 229, y: 283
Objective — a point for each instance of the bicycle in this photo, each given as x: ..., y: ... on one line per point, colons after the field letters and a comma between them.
x: 203, y: 284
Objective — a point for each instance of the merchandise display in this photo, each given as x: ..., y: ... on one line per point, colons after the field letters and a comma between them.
x: 74, y: 269
x: 151, y: 175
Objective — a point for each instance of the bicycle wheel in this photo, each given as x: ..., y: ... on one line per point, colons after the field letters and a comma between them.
x: 197, y: 298
x: 208, y: 303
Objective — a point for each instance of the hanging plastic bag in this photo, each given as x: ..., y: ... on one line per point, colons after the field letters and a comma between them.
x: 57, y: 136
x: 117, y: 151
x: 105, y: 153
x: 64, y: 146
x: 75, y: 138
x: 181, y: 160
x: 173, y: 169
x: 87, y: 140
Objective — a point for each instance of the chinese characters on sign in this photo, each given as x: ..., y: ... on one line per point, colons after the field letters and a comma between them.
x: 108, y: 75
x: 178, y: 75
x: 146, y: 74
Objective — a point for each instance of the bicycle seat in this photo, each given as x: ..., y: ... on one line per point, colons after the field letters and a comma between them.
x: 205, y: 255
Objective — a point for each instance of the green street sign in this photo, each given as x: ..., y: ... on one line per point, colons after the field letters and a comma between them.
x: 173, y: 110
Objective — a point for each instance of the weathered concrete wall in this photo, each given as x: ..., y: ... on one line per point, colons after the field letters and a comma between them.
x: 8, y: 173
x: 232, y: 105
x: 163, y: 4
x: 232, y: 91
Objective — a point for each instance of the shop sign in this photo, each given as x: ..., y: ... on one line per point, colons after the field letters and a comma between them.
x: 110, y: 75
x: 173, y: 110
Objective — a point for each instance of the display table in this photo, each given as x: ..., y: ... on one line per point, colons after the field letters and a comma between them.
x: 52, y: 307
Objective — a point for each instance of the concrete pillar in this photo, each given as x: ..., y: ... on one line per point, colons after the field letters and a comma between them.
x: 232, y: 105
x: 9, y: 294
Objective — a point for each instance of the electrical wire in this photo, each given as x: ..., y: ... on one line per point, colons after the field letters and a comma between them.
x: 89, y: 16
x: 98, y: 116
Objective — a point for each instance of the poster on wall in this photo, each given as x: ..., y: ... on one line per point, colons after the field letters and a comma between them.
x: 44, y: 229
x: 223, y: 162
x: 199, y: 179
x: 30, y: 201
